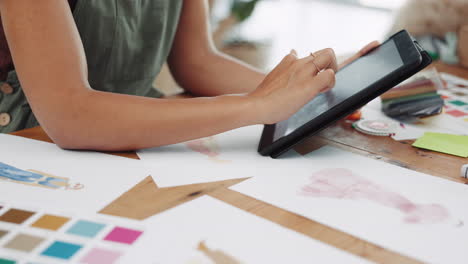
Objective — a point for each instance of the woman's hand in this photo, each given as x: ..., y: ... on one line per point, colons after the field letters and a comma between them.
x: 361, y: 53
x: 292, y: 84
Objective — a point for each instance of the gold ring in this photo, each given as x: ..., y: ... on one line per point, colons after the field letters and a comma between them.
x: 313, y: 56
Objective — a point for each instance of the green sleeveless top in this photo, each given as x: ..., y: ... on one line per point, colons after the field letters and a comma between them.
x: 126, y: 43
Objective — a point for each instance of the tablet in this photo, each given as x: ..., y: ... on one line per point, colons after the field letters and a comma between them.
x: 358, y: 83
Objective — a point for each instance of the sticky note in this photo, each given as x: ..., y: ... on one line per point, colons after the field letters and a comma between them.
x: 123, y: 235
x: 445, y: 143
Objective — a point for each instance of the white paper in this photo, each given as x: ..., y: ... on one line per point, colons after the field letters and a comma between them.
x: 442, y: 123
x: 454, y: 80
x: 229, y: 155
x: 48, y: 237
x: 208, y: 231
x: 418, y: 215
x: 54, y: 178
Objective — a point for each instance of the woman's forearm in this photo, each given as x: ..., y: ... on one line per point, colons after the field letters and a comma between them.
x: 217, y: 74
x: 196, y: 64
x: 115, y: 122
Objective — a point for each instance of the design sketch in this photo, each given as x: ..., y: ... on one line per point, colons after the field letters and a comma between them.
x: 216, y: 256
x: 339, y: 183
x: 36, y: 178
x: 206, y: 146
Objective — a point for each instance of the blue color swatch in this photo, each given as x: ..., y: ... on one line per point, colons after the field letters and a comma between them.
x: 61, y: 250
x: 86, y: 228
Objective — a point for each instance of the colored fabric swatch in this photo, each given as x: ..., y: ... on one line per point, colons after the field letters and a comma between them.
x: 86, y: 228
x: 3, y: 233
x: 445, y: 143
x: 62, y: 250
x: 101, y: 256
x: 51, y: 222
x: 456, y: 113
x: 7, y: 261
x: 123, y: 235
x: 16, y: 216
x: 458, y: 103
x: 24, y: 242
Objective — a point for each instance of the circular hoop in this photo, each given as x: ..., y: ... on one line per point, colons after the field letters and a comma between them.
x: 314, y: 57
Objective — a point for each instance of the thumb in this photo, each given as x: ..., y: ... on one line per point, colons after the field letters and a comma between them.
x: 323, y: 81
x: 285, y: 63
x: 369, y: 47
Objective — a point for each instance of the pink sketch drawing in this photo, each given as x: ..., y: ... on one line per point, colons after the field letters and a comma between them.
x: 339, y: 183
x: 206, y: 146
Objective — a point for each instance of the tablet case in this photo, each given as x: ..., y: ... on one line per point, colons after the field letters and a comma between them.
x: 282, y: 145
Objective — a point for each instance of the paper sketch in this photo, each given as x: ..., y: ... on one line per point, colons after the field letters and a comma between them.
x: 415, y: 214
x: 36, y: 178
x: 241, y: 238
x: 216, y: 256
x: 229, y: 155
x: 339, y: 183
x: 42, y: 174
x: 206, y: 146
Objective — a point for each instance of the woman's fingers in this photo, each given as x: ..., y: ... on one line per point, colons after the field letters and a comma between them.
x: 368, y: 48
x: 326, y: 59
x: 313, y: 64
x: 325, y: 80
x: 286, y: 62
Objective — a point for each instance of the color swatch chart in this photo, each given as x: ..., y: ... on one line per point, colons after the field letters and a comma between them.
x: 32, y: 236
x: 456, y: 103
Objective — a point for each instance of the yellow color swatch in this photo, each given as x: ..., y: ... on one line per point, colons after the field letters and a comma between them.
x: 51, y: 222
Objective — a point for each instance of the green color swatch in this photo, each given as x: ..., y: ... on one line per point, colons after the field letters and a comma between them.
x: 458, y: 102
x: 445, y: 143
x: 6, y: 261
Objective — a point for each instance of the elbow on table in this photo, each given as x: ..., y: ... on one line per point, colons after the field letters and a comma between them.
x: 67, y: 123
x: 67, y: 141
x: 87, y: 134
x: 67, y: 136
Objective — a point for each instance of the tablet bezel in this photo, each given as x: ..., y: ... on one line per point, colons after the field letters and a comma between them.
x: 412, y: 59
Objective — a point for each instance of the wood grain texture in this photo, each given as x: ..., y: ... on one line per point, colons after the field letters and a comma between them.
x: 311, y: 228
x: 146, y: 199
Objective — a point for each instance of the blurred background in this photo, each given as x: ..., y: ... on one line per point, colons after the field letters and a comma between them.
x: 279, y: 25
x: 261, y: 32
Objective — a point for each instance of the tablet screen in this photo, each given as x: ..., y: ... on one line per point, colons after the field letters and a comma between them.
x: 350, y: 80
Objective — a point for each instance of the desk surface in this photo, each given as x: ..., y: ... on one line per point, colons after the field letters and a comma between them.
x: 146, y: 199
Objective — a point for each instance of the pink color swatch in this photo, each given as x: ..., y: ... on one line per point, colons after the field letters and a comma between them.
x: 341, y: 183
x: 457, y: 113
x: 123, y: 235
x: 101, y: 256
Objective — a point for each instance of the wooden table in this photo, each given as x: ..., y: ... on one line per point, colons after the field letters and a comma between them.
x: 146, y: 198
